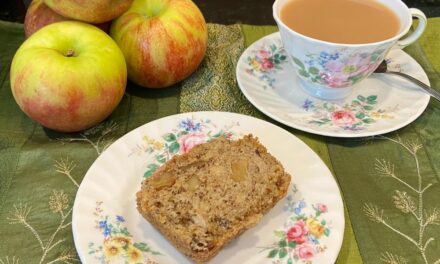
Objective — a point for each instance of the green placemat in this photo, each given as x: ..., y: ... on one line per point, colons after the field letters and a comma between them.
x: 390, y: 184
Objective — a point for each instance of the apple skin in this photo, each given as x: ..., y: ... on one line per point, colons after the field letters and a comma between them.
x: 68, y: 76
x: 91, y: 11
x: 163, y: 41
x: 39, y: 15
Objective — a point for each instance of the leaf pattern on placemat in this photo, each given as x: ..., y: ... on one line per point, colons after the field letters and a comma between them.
x: 96, y: 136
x: 59, y: 202
x: 12, y: 260
x: 411, y: 202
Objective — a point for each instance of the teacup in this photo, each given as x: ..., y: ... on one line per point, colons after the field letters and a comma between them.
x: 337, y: 67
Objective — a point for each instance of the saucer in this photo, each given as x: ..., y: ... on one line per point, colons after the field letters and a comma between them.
x: 379, y: 104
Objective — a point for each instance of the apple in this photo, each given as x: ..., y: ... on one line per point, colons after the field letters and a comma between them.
x: 39, y: 15
x: 92, y: 11
x: 163, y: 41
x: 68, y: 76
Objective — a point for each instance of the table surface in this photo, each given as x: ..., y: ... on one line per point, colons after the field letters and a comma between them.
x: 259, y: 12
x: 220, y: 11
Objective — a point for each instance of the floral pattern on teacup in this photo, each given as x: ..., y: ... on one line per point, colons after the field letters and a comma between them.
x: 353, y: 116
x: 337, y: 69
x: 265, y: 61
x: 301, y: 238
x: 118, y: 245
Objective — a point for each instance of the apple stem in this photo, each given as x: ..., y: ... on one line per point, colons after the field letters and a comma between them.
x: 70, y: 53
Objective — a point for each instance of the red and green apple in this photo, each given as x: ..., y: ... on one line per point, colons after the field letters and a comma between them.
x: 68, y: 76
x: 163, y: 41
x: 92, y: 11
x: 39, y: 15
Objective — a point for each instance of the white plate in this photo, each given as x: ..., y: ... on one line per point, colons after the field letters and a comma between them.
x: 380, y: 104
x: 107, y: 227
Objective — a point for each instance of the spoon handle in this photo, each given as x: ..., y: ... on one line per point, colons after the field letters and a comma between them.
x: 428, y: 89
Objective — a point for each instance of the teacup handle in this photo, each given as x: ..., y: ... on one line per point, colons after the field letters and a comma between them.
x: 402, y: 43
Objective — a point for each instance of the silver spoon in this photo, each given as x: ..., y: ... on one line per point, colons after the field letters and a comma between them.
x: 383, y: 69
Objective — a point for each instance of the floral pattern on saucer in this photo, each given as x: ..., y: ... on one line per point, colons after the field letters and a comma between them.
x: 399, y: 102
x: 301, y: 237
x: 353, y: 116
x: 189, y: 133
x: 118, y: 244
x: 265, y: 61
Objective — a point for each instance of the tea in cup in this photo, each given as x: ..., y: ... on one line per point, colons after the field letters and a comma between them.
x: 336, y: 44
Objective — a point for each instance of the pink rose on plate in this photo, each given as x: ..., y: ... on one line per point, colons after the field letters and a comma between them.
x: 297, y: 232
x: 343, y: 118
x: 264, y: 54
x: 322, y: 208
x: 305, y: 251
x: 267, y: 64
x: 188, y: 141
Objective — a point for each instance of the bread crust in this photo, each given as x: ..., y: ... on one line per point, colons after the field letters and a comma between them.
x: 203, y: 199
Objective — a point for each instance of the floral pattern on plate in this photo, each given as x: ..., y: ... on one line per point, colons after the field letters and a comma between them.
x: 338, y: 69
x: 117, y: 174
x: 189, y: 133
x: 118, y: 245
x: 301, y: 237
x: 354, y: 116
x: 265, y: 61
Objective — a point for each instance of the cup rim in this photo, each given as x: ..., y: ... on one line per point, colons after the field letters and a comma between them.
x: 278, y: 20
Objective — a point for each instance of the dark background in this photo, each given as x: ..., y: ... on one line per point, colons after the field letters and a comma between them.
x: 256, y: 12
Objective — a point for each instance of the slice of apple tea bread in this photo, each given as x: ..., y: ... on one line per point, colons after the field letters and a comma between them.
x: 203, y: 199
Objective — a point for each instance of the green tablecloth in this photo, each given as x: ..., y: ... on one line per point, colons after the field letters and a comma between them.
x: 390, y: 184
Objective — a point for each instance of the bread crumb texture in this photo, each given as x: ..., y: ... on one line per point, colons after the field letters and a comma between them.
x: 203, y: 199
